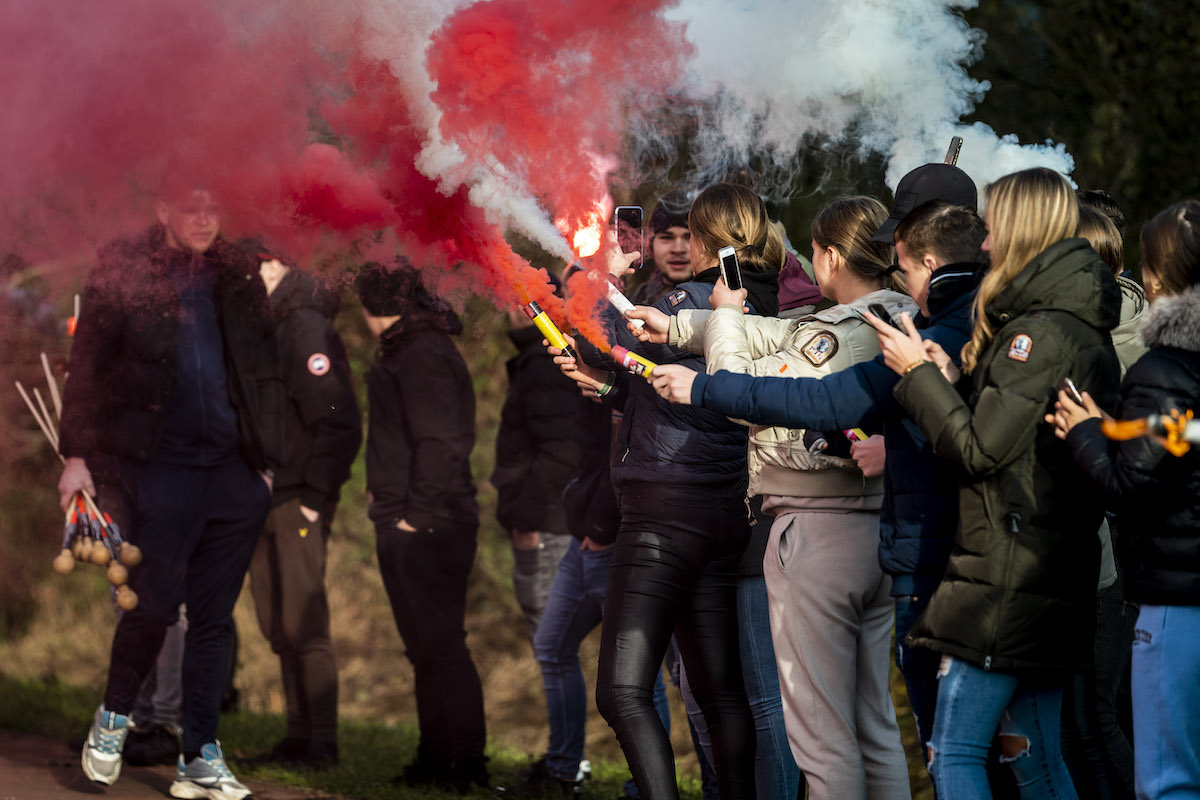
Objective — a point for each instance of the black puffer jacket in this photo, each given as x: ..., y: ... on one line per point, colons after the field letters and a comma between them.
x: 123, y: 359
x: 1019, y: 591
x: 1156, y: 494
x: 322, y: 425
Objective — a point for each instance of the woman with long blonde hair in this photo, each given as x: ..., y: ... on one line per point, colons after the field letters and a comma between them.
x: 1016, y: 611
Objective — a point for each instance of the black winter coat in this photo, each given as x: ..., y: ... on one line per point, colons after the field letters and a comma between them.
x: 1156, y: 494
x: 1019, y: 590
x: 536, y: 446
x: 421, y: 424
x: 123, y: 358
x: 322, y: 425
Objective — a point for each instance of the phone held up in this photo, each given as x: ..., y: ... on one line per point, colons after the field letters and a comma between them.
x: 1068, y: 386
x: 729, y: 268
x: 629, y: 223
x: 878, y: 310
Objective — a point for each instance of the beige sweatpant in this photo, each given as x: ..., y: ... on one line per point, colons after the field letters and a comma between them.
x: 831, y: 621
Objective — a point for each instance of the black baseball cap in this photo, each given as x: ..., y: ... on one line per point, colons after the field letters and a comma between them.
x: 925, y: 184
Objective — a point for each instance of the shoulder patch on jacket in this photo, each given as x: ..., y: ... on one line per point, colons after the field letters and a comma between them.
x: 678, y: 297
x: 318, y: 364
x: 820, y: 348
x: 1020, y: 347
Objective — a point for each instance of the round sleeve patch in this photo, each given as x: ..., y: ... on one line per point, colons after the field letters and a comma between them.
x: 820, y: 348
x: 318, y: 364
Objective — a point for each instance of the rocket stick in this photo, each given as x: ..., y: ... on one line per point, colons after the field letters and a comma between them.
x: 55, y: 397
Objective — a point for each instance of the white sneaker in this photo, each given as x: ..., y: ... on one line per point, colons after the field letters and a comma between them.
x: 207, y: 777
x: 101, y: 756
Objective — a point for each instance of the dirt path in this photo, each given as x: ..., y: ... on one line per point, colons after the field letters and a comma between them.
x: 38, y: 768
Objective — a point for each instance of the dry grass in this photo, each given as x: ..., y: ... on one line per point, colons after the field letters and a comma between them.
x: 68, y: 637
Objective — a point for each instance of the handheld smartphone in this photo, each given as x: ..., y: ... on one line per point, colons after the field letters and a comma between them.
x: 630, y: 226
x: 729, y: 268
x: 878, y: 310
x: 1068, y: 386
x: 955, y: 148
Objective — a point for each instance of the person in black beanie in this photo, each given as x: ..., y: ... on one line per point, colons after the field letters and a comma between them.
x: 421, y: 498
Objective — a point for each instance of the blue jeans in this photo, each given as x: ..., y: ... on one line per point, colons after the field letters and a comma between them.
x: 573, y: 609
x: 919, y: 666
x: 971, y: 704
x: 776, y: 776
x: 1166, y: 703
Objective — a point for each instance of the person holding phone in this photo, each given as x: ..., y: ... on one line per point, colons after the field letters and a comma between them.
x: 680, y: 476
x: 938, y: 249
x: 829, y: 600
x: 1157, y: 499
x: 1015, y: 612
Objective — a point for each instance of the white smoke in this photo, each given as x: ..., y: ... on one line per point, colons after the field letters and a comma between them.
x: 889, y: 76
x: 399, y: 33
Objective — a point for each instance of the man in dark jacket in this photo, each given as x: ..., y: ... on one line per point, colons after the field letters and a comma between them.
x: 536, y: 452
x: 422, y: 500
x: 287, y: 576
x: 174, y: 371
x: 938, y: 248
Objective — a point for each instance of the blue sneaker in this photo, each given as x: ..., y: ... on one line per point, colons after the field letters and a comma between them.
x: 207, y: 777
x: 101, y: 756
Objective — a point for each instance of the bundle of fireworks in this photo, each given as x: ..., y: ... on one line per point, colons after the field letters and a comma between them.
x: 89, y: 535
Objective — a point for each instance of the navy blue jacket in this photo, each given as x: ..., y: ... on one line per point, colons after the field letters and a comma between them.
x: 919, y: 515
x: 662, y: 442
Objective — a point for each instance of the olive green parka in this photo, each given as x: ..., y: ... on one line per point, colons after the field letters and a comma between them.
x: 1019, y: 590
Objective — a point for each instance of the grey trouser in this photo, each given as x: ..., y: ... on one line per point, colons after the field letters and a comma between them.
x: 533, y: 574
x: 831, y: 621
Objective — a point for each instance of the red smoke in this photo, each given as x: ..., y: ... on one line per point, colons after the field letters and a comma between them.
x: 102, y: 100
x: 540, y: 85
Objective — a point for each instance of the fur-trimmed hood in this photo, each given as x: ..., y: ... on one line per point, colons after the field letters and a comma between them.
x: 1174, y: 321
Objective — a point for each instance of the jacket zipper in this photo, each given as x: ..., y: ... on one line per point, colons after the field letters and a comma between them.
x: 1011, y: 520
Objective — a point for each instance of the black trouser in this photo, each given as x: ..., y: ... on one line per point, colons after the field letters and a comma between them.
x: 287, y: 579
x: 674, y: 569
x: 197, y: 528
x: 1097, y: 753
x: 425, y: 574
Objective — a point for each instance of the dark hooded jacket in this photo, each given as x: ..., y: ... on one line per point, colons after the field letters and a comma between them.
x: 321, y: 423
x: 124, y: 388
x: 536, y: 445
x: 421, y: 426
x: 1019, y: 590
x: 1156, y: 494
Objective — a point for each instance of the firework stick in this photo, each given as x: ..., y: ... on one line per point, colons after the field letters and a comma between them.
x: 46, y: 416
x: 37, y: 417
x: 55, y: 397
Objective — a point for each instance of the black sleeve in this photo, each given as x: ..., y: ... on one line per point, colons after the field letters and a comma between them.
x: 317, y: 375
x: 437, y: 404
x: 93, y: 349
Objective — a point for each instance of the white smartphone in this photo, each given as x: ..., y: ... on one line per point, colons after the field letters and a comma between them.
x: 729, y: 267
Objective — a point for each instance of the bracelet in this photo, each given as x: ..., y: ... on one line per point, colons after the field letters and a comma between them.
x: 608, y: 385
x: 914, y: 365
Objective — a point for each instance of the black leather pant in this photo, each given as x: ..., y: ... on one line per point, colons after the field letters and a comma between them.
x: 674, y: 570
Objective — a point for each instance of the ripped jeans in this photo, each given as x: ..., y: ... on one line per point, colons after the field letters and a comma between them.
x: 972, y: 704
